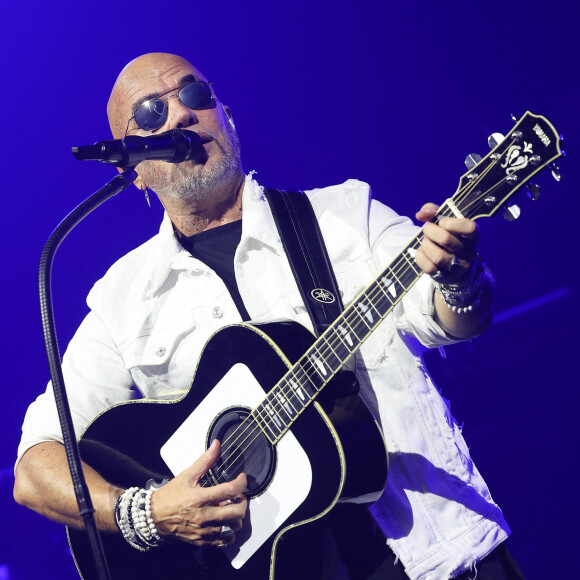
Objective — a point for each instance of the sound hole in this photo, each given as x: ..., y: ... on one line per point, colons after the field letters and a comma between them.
x: 244, y: 449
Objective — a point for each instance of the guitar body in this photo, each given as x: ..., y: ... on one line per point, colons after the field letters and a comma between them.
x: 345, y: 450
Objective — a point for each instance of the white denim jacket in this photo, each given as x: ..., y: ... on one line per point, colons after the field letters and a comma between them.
x: 152, y: 313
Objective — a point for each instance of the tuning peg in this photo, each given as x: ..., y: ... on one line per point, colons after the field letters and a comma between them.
x: 556, y: 173
x: 472, y: 160
x: 533, y: 191
x: 513, y: 117
x: 512, y: 212
x: 495, y: 139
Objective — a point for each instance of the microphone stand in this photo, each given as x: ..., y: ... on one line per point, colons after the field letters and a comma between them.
x: 86, y: 510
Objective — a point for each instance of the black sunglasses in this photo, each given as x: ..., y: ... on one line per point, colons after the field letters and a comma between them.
x: 152, y: 114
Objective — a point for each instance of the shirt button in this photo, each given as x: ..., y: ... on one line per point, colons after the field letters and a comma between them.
x: 161, y: 351
x: 217, y: 312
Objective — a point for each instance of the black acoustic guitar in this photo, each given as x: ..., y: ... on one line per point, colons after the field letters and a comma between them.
x: 261, y: 391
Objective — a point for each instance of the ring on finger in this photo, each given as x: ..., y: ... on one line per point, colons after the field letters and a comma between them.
x: 438, y: 276
x: 225, y: 532
x: 454, y: 266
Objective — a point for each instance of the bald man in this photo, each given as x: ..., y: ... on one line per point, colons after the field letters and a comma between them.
x: 168, y: 296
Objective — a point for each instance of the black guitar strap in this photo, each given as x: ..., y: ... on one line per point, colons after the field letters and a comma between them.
x: 304, y: 246
x: 306, y: 251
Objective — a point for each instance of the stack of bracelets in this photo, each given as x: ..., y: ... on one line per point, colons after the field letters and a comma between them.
x: 465, y: 296
x: 134, y: 520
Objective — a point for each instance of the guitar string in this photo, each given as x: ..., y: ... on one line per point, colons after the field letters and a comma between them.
x: 273, y: 399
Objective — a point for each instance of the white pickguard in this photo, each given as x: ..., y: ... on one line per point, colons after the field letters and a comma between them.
x: 291, y: 482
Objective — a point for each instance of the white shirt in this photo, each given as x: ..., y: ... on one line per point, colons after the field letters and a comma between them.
x: 154, y: 310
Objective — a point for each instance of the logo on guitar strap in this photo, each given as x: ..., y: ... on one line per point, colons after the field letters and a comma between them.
x: 322, y: 295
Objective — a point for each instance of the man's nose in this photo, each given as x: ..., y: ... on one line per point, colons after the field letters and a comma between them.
x: 180, y: 116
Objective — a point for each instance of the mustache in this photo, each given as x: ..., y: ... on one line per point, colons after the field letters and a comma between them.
x: 228, y: 144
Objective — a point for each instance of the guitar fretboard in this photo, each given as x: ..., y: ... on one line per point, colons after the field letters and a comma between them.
x: 302, y: 383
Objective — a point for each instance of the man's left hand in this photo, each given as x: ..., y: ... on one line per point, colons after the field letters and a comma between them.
x: 448, y: 247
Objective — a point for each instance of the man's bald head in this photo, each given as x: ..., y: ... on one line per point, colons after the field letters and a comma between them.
x: 216, y: 173
x: 149, y: 70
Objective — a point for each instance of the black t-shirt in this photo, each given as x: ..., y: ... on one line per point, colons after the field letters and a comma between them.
x: 216, y: 248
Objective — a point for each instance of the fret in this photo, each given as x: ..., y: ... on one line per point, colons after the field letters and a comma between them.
x: 381, y: 304
x: 331, y: 356
x: 288, y: 392
x: 343, y: 318
x: 384, y: 300
x: 397, y: 279
x: 308, y: 383
x: 318, y: 364
x: 272, y: 412
x: 371, y: 292
x: 412, y: 251
x: 340, y: 345
x: 260, y: 417
x: 363, y: 313
x: 315, y: 370
x: 409, y: 277
x: 411, y: 260
x: 389, y: 288
x: 360, y: 327
x: 367, y: 312
x: 343, y: 333
x: 284, y: 409
x: 303, y: 396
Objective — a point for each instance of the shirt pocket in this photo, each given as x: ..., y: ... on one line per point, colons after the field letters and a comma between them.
x: 160, y: 359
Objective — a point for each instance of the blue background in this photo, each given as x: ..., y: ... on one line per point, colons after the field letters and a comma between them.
x: 394, y: 93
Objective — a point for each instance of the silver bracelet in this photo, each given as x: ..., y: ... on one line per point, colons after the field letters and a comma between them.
x: 464, y: 296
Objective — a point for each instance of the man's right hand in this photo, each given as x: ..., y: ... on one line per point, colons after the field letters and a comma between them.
x: 195, y: 514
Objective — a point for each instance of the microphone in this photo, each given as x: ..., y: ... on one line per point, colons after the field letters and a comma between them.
x: 173, y: 146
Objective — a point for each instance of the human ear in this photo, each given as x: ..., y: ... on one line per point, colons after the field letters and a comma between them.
x: 228, y: 114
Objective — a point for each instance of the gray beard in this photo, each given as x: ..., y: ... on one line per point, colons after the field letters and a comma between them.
x: 201, y: 185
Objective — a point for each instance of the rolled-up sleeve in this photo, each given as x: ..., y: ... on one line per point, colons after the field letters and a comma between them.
x: 389, y: 233
x: 95, y: 378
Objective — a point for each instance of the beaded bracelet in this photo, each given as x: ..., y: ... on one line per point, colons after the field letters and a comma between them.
x: 150, y: 522
x: 134, y: 519
x: 144, y: 524
x: 465, y: 296
x: 124, y: 518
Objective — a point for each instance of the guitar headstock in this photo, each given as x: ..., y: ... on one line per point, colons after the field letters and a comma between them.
x: 528, y: 148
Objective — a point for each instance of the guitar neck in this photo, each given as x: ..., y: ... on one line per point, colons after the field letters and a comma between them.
x: 532, y: 144
x: 329, y: 353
